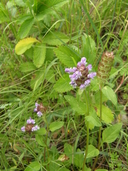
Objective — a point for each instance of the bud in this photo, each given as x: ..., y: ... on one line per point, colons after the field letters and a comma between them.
x: 105, y: 66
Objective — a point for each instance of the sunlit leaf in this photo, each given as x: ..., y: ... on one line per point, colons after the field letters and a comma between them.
x: 92, y: 151
x: 24, y: 44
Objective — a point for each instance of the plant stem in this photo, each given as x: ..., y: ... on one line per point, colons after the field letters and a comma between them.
x: 99, y: 138
x: 87, y: 140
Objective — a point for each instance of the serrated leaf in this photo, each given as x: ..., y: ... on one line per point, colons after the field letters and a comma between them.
x: 76, y: 105
x: 110, y: 94
x: 92, y: 151
x: 33, y: 166
x: 24, y: 44
x: 93, y: 121
x: 67, y: 56
x: 55, y: 38
x: 62, y: 85
x: 56, y: 125
x: 107, y: 115
x: 39, y: 55
x: 25, y: 28
x: 27, y: 67
x: 111, y: 133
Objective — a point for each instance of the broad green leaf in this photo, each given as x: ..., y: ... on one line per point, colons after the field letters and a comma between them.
x: 39, y: 55
x: 78, y: 158
x: 25, y: 28
x: 68, y: 150
x: 41, y: 131
x: 62, y: 85
x: 40, y: 141
x: 67, y: 56
x: 20, y: 3
x: 110, y: 94
x: 111, y: 133
x: 55, y: 38
x: 92, y: 151
x: 27, y: 67
x: 56, y: 125
x: 76, y: 105
x: 92, y: 120
x: 33, y: 166
x: 88, y: 48
x: 48, y: 7
x: 24, y: 44
x: 107, y: 115
x: 63, y: 169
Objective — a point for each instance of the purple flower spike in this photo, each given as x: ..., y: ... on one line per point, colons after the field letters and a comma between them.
x: 36, y: 104
x: 35, y: 128
x: 92, y: 75
x: 81, y: 76
x: 23, y: 129
x: 30, y: 121
x: 39, y: 114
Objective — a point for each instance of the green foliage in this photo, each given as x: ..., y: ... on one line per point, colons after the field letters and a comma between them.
x: 111, y: 133
x: 55, y: 125
x: 33, y: 166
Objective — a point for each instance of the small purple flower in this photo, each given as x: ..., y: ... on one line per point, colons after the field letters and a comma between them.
x: 30, y: 121
x: 81, y: 75
x: 38, y: 109
x: 92, y: 75
x: 36, y: 104
x: 39, y: 114
x: 89, y: 67
x: 35, y: 128
x: 23, y: 129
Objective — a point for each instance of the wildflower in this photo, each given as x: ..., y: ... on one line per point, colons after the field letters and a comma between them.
x: 38, y: 109
x: 30, y: 126
x: 80, y: 75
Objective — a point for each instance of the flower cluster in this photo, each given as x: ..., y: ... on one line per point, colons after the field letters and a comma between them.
x: 30, y: 126
x: 81, y: 76
x: 38, y: 109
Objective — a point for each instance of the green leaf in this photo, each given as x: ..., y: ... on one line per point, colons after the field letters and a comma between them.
x: 48, y: 7
x: 56, y: 125
x: 67, y: 56
x: 110, y: 94
x: 78, y: 158
x: 33, y: 166
x: 76, y: 105
x: 62, y: 85
x: 24, y: 44
x: 107, y: 115
x: 39, y: 55
x: 111, y: 133
x: 68, y: 150
x: 88, y: 48
x: 27, y: 67
x: 25, y: 28
x: 92, y: 120
x: 55, y: 38
x: 92, y: 151
x: 40, y: 141
x: 41, y: 131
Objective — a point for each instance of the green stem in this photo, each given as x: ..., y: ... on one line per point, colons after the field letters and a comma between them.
x: 87, y: 140
x: 99, y: 138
